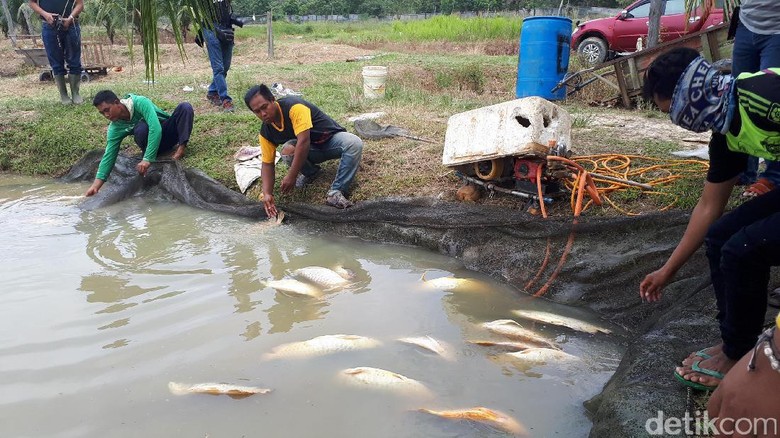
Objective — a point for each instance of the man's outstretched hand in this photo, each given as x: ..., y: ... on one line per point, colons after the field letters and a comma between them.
x: 94, y: 188
x: 651, y: 287
x: 288, y: 183
x: 270, y: 206
x: 143, y: 167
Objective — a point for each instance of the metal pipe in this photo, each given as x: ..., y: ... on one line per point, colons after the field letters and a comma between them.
x: 624, y: 181
x: 492, y: 187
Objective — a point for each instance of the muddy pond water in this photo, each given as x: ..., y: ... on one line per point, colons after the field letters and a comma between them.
x: 101, y: 310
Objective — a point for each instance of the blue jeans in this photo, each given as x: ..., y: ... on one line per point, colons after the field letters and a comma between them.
x: 62, y: 46
x: 753, y: 52
x: 742, y: 246
x: 220, y: 56
x: 348, y: 147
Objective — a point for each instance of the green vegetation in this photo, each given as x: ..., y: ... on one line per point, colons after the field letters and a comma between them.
x: 441, y: 28
x: 40, y: 137
x: 453, y: 28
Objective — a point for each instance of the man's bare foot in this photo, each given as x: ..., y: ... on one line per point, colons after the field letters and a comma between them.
x: 179, y: 153
x: 707, y: 372
x: 703, y: 354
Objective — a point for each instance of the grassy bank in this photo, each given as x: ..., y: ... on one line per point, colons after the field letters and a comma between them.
x: 38, y: 136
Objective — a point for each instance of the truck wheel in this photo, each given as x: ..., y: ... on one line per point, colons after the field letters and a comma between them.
x: 593, y: 50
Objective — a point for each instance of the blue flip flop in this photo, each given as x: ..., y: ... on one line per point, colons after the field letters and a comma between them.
x: 702, y: 354
x: 696, y: 385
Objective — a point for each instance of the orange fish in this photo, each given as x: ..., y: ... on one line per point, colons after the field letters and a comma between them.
x: 495, y: 419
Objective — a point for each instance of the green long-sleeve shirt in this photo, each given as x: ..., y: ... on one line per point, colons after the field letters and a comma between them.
x: 141, y: 108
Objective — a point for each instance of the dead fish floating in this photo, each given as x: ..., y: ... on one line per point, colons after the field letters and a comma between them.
x: 447, y: 284
x: 508, y: 346
x: 543, y: 356
x: 377, y: 378
x: 271, y: 221
x: 323, y: 277
x: 322, y: 345
x: 295, y: 287
x: 495, y: 419
x: 564, y: 321
x: 235, y: 391
x: 511, y: 329
x: 431, y: 344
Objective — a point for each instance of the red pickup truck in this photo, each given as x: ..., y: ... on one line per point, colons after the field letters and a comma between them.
x: 598, y: 40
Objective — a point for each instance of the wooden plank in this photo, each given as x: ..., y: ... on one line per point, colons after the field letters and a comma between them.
x: 621, y: 79
x: 706, y: 48
x: 712, y: 44
x: 633, y: 73
x: 606, y: 81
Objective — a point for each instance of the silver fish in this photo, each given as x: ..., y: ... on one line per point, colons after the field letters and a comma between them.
x: 508, y: 346
x: 323, y: 277
x: 429, y: 343
x: 383, y: 379
x: 295, y: 287
x: 322, y: 345
x: 512, y: 329
x: 543, y: 355
x: 495, y: 419
x: 565, y: 321
x: 451, y: 284
x: 235, y: 391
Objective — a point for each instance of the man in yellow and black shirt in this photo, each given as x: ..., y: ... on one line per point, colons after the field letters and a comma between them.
x: 309, y: 137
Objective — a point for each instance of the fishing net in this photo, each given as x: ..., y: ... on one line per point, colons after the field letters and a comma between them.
x: 185, y: 185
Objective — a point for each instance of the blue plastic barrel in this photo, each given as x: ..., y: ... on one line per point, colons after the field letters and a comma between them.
x: 544, y: 56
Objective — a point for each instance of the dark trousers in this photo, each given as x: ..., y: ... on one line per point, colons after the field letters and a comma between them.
x: 742, y: 246
x: 176, y: 129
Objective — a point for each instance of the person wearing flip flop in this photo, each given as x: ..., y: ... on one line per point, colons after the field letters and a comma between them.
x: 756, y: 25
x: 308, y: 137
x: 155, y: 131
x: 743, y: 114
x: 749, y: 390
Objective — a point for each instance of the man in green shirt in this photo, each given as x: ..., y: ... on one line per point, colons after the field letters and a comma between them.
x: 155, y: 131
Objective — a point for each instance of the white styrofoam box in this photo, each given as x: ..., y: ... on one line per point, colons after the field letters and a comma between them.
x: 504, y: 129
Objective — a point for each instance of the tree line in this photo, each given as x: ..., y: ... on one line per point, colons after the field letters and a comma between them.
x: 382, y: 8
x: 113, y: 14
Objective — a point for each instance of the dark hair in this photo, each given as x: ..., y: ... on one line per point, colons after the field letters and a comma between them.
x: 105, y: 96
x: 262, y: 90
x: 662, y: 75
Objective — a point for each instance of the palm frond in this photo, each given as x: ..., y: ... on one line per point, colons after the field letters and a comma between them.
x: 149, y: 13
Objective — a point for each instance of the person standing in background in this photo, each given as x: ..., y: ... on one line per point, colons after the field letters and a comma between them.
x: 219, y: 45
x: 757, y: 47
x: 61, y: 37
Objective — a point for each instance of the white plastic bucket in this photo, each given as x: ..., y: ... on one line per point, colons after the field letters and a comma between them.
x: 374, y: 78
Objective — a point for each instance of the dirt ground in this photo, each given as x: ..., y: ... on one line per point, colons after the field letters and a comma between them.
x: 634, y: 125
x: 20, y: 79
